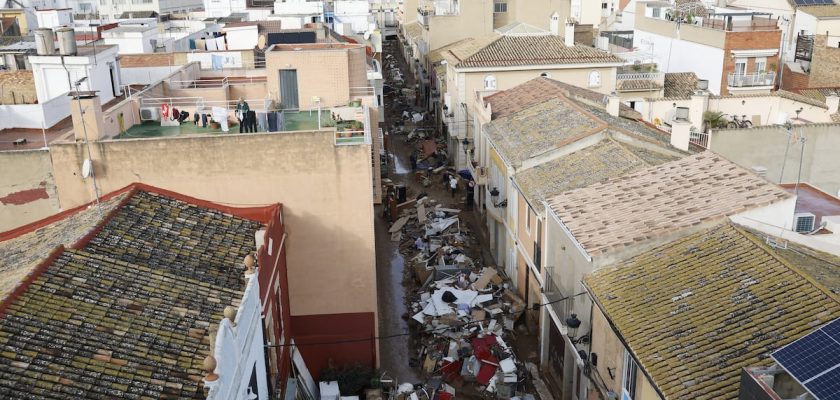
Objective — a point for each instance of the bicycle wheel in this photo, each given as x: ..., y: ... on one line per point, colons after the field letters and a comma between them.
x: 732, y: 124
x: 747, y: 124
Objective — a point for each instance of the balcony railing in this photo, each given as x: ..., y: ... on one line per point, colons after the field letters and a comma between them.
x: 751, y: 80
x: 647, y: 76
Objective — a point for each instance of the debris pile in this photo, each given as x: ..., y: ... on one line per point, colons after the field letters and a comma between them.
x: 464, y: 312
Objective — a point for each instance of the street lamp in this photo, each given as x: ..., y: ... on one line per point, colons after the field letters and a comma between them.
x: 573, y: 323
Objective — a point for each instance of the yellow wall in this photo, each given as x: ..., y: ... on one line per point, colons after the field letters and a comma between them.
x: 474, y: 20
x: 26, y: 171
x: 21, y: 19
x: 325, y: 190
x: 325, y: 73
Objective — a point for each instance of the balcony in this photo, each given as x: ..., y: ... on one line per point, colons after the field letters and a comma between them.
x: 423, y: 16
x: 736, y: 80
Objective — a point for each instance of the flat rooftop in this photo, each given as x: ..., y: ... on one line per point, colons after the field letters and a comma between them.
x: 814, y: 201
x: 292, y: 121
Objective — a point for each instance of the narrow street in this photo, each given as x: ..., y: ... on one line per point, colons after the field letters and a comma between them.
x: 398, y: 356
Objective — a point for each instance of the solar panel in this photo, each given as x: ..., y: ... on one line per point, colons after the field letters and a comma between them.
x: 809, y: 356
x: 826, y: 386
x: 812, y: 2
x: 814, y: 359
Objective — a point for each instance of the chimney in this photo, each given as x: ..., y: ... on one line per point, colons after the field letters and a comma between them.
x: 570, y: 33
x: 680, y: 134
x: 833, y: 103
x: 554, y: 24
x: 698, y: 106
x: 90, y: 113
x: 613, y: 104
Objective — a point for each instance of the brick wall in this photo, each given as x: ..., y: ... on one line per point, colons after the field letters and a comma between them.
x: 794, y: 80
x: 824, y: 71
x: 147, y: 60
x: 748, y: 41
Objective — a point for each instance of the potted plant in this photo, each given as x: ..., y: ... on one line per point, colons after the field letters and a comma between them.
x: 713, y: 120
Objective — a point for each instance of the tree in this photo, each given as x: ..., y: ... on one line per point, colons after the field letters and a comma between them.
x: 713, y: 120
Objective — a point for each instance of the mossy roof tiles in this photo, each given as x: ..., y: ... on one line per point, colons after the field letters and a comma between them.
x: 18, y: 256
x: 696, y: 311
x: 606, y: 159
x: 127, y: 316
x: 654, y: 201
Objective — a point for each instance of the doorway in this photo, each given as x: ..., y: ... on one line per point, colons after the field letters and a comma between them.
x: 289, y: 89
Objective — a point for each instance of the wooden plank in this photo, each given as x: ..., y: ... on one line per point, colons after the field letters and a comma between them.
x: 398, y: 225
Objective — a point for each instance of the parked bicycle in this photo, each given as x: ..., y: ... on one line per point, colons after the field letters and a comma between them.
x: 742, y: 122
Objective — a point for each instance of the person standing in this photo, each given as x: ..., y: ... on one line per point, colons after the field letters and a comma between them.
x: 242, y: 109
x: 468, y: 202
x: 453, y: 185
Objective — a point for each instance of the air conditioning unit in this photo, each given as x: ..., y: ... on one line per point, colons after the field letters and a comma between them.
x: 149, y: 114
x: 803, y: 222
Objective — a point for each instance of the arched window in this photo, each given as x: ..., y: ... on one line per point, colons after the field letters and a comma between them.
x: 489, y: 82
x: 545, y: 75
x: 594, y: 79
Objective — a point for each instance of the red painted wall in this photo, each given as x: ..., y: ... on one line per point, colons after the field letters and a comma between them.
x: 312, y: 332
x: 274, y: 294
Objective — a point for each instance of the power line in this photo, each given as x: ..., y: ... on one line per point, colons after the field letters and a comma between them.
x: 534, y: 307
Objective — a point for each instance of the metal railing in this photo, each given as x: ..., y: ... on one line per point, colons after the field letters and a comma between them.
x: 217, y: 82
x: 751, y: 80
x: 350, y: 137
x: 699, y: 138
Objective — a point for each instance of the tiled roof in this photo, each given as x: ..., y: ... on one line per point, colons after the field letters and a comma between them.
x: 637, y: 85
x: 413, y: 31
x: 540, y: 128
x: 607, y: 159
x: 659, y: 200
x: 819, y: 94
x: 512, y: 51
x: 696, y: 311
x: 128, y: 314
x: 680, y: 84
x: 20, y: 255
x: 540, y: 89
x: 436, y: 56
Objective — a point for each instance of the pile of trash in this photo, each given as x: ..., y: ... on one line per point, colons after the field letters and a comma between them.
x: 464, y: 311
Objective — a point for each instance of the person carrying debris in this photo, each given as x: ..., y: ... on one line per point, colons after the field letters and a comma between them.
x: 453, y: 185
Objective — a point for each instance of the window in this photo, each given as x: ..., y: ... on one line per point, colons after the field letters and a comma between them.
x: 740, y: 66
x: 489, y: 82
x: 603, y: 6
x: 656, y: 12
x: 545, y: 75
x: 594, y: 79
x: 499, y: 8
x: 760, y: 65
x: 628, y: 381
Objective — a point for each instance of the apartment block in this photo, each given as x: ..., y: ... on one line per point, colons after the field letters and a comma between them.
x: 740, y: 51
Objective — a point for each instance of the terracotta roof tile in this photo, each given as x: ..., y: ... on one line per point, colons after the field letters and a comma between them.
x: 652, y: 202
x: 680, y: 84
x: 606, y: 159
x: 20, y: 255
x: 637, y: 85
x: 516, y: 50
x: 127, y: 315
x: 696, y: 311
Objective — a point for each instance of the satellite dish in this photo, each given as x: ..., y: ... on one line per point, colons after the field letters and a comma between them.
x: 367, y: 35
x: 87, y: 168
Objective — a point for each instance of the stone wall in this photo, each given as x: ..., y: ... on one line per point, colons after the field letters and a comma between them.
x: 824, y: 71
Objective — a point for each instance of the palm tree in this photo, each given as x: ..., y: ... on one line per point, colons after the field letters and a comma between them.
x: 713, y: 120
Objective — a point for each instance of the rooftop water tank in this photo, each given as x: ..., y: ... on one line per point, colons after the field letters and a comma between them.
x: 44, y: 42
x: 66, y: 41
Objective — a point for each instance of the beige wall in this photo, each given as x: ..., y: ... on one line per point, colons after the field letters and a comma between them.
x: 710, y: 37
x: 765, y: 146
x: 474, y: 20
x: 325, y: 73
x: 461, y: 86
x: 610, y: 352
x: 325, y: 191
x: 25, y: 179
